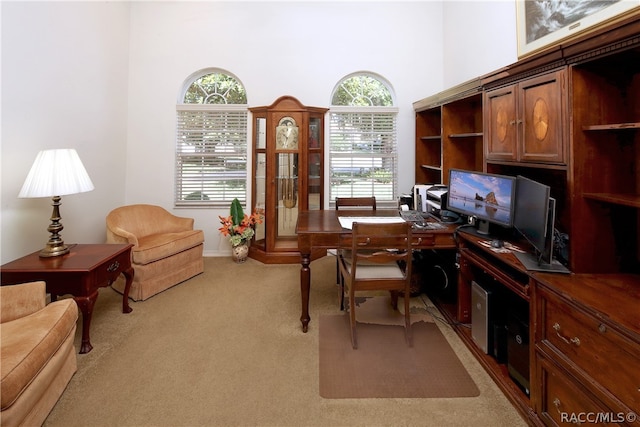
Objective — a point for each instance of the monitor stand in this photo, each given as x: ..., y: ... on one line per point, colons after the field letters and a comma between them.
x: 483, y: 227
x: 530, y: 262
x: 472, y: 229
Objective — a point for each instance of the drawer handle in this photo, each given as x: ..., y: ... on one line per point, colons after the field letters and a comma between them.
x: 575, y: 340
x: 365, y: 243
x: 418, y: 242
x: 113, y: 267
x: 558, y: 404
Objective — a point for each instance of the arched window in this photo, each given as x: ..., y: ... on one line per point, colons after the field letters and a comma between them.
x: 362, y: 148
x: 211, y: 142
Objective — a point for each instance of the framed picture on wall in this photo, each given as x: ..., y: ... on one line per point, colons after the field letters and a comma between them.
x: 542, y: 24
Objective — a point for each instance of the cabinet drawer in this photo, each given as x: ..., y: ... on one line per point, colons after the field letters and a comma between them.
x: 562, y: 400
x: 594, y: 347
x: 111, y: 269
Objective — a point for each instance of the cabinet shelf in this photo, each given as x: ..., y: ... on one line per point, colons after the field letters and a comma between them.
x: 465, y: 135
x: 432, y: 167
x: 632, y: 200
x: 431, y: 138
x: 613, y: 126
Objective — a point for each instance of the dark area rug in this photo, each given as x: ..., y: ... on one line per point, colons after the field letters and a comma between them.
x: 384, y: 366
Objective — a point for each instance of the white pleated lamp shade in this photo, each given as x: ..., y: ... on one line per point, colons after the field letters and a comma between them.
x: 56, y: 173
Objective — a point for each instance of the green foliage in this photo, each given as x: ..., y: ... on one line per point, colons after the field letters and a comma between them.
x: 363, y: 91
x: 196, y: 195
x: 216, y: 88
x: 382, y: 176
x: 237, y: 214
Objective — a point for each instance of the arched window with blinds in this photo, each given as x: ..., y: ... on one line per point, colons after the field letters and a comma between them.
x: 211, y: 141
x: 363, y: 148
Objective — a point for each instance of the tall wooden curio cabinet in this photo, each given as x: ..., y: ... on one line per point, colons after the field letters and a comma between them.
x: 288, y: 141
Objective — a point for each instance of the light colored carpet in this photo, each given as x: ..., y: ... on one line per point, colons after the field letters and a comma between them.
x: 226, y: 349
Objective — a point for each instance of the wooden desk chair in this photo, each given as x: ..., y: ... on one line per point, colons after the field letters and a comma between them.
x: 378, y: 250
x: 356, y: 202
x: 349, y: 203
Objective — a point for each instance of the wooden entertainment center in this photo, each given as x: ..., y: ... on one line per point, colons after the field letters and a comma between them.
x: 568, y: 117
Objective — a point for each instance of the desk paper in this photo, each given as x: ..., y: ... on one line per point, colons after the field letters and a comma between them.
x: 347, y: 221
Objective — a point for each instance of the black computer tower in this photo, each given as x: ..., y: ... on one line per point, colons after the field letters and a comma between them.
x: 518, y: 344
x: 499, y: 342
x: 439, y: 274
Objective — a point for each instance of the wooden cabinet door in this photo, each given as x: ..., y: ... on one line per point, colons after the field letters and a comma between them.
x: 541, y: 110
x: 501, y: 124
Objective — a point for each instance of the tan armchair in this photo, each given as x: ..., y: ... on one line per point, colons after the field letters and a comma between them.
x: 37, y: 354
x: 166, y: 249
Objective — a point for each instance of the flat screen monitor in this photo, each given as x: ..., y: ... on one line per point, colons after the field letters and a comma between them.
x: 532, y: 213
x: 487, y: 198
x: 534, y: 219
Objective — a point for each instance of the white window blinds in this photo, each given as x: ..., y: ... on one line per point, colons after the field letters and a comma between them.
x: 211, y: 155
x: 363, y: 153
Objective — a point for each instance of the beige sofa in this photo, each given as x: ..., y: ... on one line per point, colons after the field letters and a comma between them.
x: 166, y: 249
x: 37, y: 354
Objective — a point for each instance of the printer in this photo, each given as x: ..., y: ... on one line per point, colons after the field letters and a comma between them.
x: 436, y: 199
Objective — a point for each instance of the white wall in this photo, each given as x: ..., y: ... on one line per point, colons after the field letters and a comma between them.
x: 479, y: 37
x: 64, y: 85
x: 285, y: 48
x: 104, y: 78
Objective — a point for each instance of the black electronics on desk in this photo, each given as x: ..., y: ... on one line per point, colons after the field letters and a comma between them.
x: 483, y: 198
x: 436, y: 199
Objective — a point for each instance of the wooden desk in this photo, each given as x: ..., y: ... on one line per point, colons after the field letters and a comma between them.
x: 321, y: 229
x: 79, y: 273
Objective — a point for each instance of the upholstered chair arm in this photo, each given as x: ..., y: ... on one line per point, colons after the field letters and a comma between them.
x: 18, y: 301
x: 118, y: 235
x: 178, y: 223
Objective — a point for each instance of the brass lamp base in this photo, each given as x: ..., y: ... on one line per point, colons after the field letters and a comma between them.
x: 51, y: 250
x: 55, y: 246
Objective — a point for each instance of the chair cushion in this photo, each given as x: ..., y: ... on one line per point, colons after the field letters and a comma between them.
x: 158, y: 246
x: 29, y: 343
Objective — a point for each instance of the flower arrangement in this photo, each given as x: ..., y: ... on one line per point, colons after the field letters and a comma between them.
x: 239, y: 226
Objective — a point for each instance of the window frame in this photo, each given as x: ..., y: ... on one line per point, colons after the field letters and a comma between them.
x: 367, y: 111
x: 238, y: 112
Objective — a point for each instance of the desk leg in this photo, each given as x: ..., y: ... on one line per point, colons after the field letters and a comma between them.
x: 305, y: 286
x: 128, y: 274
x: 85, y: 304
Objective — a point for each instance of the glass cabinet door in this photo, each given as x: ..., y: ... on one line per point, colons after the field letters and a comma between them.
x: 287, y: 191
x: 314, y: 166
x: 260, y: 180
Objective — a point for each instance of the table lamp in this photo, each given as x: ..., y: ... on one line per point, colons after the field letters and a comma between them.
x: 56, y: 173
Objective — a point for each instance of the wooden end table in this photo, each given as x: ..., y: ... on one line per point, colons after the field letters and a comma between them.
x: 81, y: 272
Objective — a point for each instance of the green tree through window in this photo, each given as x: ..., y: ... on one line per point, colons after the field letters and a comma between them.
x: 363, y: 91
x: 215, y: 88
